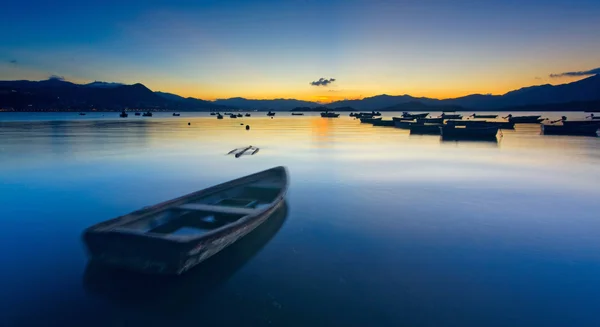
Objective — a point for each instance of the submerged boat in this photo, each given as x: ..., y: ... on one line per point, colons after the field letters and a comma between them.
x: 483, y: 116
x: 582, y: 130
x: 176, y: 235
x: 431, y: 129
x: 468, y: 132
x: 414, y: 116
x: 328, y: 114
x: 270, y: 113
x: 524, y: 119
x: 382, y: 122
x: 123, y: 114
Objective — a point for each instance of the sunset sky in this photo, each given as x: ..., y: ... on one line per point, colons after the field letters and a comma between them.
x: 275, y: 49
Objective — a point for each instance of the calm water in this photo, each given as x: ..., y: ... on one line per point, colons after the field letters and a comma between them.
x: 380, y: 229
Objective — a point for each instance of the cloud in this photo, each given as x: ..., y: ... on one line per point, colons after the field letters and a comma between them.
x: 56, y: 77
x: 13, y: 61
x: 537, y: 77
x: 322, y: 82
x: 576, y: 74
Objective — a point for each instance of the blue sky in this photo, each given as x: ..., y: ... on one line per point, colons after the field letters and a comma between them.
x: 267, y: 49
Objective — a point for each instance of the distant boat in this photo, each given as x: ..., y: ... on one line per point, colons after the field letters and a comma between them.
x: 247, y: 115
x: 382, y: 122
x: 403, y: 119
x: 297, y: 114
x: 431, y: 129
x: 171, y: 237
x: 327, y: 114
x: 468, y: 132
x: 403, y: 124
x: 240, y: 115
x: 213, y: 113
x: 123, y: 114
x: 219, y: 116
x: 227, y: 113
x: 233, y: 116
x: 176, y: 114
x: 137, y: 113
x: 524, y: 119
x: 582, y: 130
x: 483, y: 116
x: 270, y: 113
x: 147, y: 114
x: 82, y: 114
x: 481, y: 123
x: 414, y: 116
x: 444, y: 115
x: 375, y: 113
x: 369, y: 120
x: 430, y: 120
x: 363, y: 115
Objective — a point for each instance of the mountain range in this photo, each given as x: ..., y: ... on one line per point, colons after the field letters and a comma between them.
x: 60, y: 95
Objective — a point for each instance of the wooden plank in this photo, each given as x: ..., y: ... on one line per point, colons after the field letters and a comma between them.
x: 217, y: 209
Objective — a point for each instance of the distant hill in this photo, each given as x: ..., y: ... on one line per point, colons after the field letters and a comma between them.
x: 57, y: 94
x: 275, y: 104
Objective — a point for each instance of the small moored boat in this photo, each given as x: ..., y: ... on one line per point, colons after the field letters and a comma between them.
x: 297, y: 114
x: 369, y: 120
x: 328, y: 114
x: 219, y: 116
x: 483, y: 116
x: 524, y: 119
x: 123, y: 114
x: 382, y: 122
x: 447, y: 115
x: 430, y: 129
x: 270, y: 113
x: 414, y: 116
x: 137, y: 114
x: 430, y: 120
x: 468, y: 132
x: 176, y: 235
x: 176, y: 114
x: 147, y: 114
x: 581, y: 130
x: 247, y: 115
x: 233, y: 116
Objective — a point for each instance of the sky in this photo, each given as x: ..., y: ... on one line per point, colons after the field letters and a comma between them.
x: 267, y: 49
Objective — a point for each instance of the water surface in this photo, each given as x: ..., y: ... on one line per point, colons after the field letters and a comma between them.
x: 381, y: 228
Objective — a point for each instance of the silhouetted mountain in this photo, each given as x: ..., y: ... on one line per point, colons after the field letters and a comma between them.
x: 57, y: 94
x: 103, y: 84
x: 275, y: 104
x: 419, y: 106
x: 190, y: 103
x: 378, y: 102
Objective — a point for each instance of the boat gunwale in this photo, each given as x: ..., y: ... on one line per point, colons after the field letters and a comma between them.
x: 111, y: 226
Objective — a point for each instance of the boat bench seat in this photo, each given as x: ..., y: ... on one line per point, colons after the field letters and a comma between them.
x: 217, y: 209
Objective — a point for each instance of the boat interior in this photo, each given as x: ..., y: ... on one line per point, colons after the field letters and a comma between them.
x: 202, y: 214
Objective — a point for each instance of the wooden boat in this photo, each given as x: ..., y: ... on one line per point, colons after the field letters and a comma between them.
x: 481, y: 123
x: 364, y: 115
x: 369, y: 120
x: 484, y: 116
x: 270, y: 113
x: 219, y: 116
x: 403, y: 124
x: 176, y: 114
x: 327, y: 114
x: 247, y: 115
x: 430, y: 129
x: 524, y: 119
x: 414, y: 116
x: 297, y: 114
x: 382, y: 122
x: 583, y: 130
x: 430, y: 120
x: 444, y: 115
x: 123, y: 114
x: 468, y: 132
x: 174, y: 236
x: 147, y: 114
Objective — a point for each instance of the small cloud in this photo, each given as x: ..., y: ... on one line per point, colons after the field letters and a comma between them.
x: 56, y: 77
x: 576, y: 74
x: 322, y: 82
x: 13, y: 61
x: 538, y: 78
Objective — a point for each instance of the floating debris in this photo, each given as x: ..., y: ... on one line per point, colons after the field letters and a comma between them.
x: 249, y: 150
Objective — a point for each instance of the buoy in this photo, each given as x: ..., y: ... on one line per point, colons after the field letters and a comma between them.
x: 241, y: 123
x: 189, y: 124
x: 271, y: 117
x: 247, y: 127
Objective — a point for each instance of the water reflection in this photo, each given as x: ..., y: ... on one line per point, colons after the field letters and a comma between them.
x: 171, y: 294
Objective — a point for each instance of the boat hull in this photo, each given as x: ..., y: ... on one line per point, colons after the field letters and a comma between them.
x: 329, y: 115
x: 433, y: 129
x: 369, y: 120
x: 526, y: 119
x: 470, y: 132
x: 382, y: 122
x: 499, y: 124
x: 576, y: 130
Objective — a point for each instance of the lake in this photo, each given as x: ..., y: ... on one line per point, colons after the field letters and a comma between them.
x: 380, y: 228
